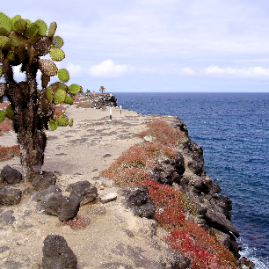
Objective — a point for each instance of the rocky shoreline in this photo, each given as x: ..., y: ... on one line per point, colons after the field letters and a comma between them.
x: 107, y: 139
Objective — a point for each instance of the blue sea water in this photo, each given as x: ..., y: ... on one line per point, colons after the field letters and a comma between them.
x: 233, y: 130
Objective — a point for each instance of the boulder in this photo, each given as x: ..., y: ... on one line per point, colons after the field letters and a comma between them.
x: 169, y: 171
x: 248, y: 263
x: 137, y: 196
x: 84, y: 191
x: 57, y: 254
x: 39, y: 195
x: 200, y: 184
x: 65, y: 208
x: 229, y: 241
x: 10, y: 196
x: 219, y: 221
x: 137, y: 200
x: 44, y: 180
x: 11, y: 175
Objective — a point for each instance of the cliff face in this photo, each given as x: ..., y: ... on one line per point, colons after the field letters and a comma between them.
x: 214, y: 209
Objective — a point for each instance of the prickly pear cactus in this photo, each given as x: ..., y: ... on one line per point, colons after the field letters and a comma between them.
x: 53, y: 125
x: 59, y: 96
x: 2, y: 115
x: 10, y: 112
x: 68, y: 100
x: 61, y: 120
x: 63, y: 75
x: 70, y: 123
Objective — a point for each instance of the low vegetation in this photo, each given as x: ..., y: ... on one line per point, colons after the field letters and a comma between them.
x: 189, y: 239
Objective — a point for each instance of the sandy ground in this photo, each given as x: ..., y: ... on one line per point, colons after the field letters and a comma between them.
x: 115, y: 238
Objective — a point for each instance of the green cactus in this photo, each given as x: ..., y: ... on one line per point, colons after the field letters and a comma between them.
x: 3, y: 40
x: 20, y: 26
x: 52, y: 29
x: 53, y: 125
x: 28, y: 21
x: 3, y: 31
x: 2, y: 115
x: 24, y: 43
x: 62, y: 86
x: 68, y: 100
x: 59, y: 96
x: 15, y: 18
x: 70, y: 123
x: 10, y: 112
x: 47, y: 67
x: 57, y: 54
x: 16, y: 39
x: 42, y: 27
x: 49, y: 94
x: 32, y: 30
x: 74, y: 88
x: 58, y: 42
x: 61, y: 120
x: 5, y: 22
x: 63, y: 75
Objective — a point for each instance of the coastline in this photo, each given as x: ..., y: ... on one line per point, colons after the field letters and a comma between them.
x: 64, y: 155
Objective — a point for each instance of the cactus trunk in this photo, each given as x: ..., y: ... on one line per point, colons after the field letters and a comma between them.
x: 27, y: 123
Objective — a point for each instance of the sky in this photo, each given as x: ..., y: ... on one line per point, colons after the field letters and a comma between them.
x: 159, y: 45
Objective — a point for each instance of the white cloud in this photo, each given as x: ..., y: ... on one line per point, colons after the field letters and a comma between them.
x: 74, y: 69
x: 187, y: 70
x: 108, y: 69
x: 251, y: 72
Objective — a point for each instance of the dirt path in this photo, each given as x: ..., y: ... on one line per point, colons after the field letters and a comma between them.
x: 115, y: 238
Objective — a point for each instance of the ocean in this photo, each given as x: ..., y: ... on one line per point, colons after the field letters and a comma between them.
x: 233, y: 130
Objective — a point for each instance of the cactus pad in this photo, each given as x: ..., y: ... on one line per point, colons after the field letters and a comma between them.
x: 53, y: 125
x: 49, y: 94
x: 2, y: 115
x: 52, y: 29
x: 10, y: 112
x: 62, y: 86
x: 58, y: 42
x: 32, y: 30
x: 16, y: 39
x: 3, y: 31
x: 74, y: 88
x: 59, y: 96
x: 47, y: 67
x: 70, y: 123
x: 63, y: 75
x: 42, y: 27
x: 3, y: 40
x: 6, y: 22
x: 20, y: 26
x: 57, y: 54
x: 68, y: 100
x: 15, y: 18
x: 61, y: 120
